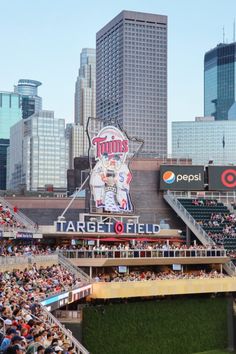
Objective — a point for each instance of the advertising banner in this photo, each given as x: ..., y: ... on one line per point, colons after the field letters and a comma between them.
x: 24, y: 235
x: 110, y: 178
x: 221, y: 178
x: 119, y: 228
x: 182, y: 178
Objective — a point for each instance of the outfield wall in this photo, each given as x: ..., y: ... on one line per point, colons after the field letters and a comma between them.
x: 162, y: 287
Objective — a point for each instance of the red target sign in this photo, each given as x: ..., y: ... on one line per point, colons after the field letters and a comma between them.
x: 119, y: 227
x: 228, y: 178
x: 221, y: 178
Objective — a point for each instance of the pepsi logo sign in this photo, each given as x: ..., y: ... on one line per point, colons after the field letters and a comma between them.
x: 178, y: 177
x: 169, y: 177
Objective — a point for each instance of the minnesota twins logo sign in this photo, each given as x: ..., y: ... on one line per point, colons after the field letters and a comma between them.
x: 110, y: 178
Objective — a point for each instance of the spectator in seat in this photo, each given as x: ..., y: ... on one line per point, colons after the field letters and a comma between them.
x: 10, y: 333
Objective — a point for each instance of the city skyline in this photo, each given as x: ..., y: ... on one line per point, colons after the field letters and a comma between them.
x: 54, y: 48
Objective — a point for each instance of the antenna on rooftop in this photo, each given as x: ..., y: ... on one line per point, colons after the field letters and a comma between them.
x: 234, y: 31
x: 223, y: 34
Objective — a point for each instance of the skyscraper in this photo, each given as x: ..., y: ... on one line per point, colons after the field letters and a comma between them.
x: 131, y: 76
x: 38, y: 153
x: 10, y: 113
x: 4, y: 143
x: 30, y: 101
x: 85, y: 94
x: 85, y: 103
x: 220, y: 82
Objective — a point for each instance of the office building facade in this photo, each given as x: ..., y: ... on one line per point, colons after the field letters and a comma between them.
x: 30, y: 101
x: 220, y: 82
x: 10, y: 112
x: 131, y: 77
x: 38, y: 154
x: 75, y: 135
x: 4, y: 143
x: 85, y: 103
x: 205, y: 140
x: 85, y: 87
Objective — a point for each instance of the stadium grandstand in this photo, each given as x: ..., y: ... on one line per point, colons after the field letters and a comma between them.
x: 75, y: 280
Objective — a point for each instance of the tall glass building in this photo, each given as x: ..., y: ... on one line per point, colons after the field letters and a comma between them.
x: 10, y: 112
x: 220, y: 81
x: 131, y: 71
x: 4, y: 143
x: 38, y: 153
x: 30, y: 101
x: 205, y: 139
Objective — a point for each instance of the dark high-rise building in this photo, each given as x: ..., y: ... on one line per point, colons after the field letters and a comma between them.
x: 220, y: 82
x: 30, y: 101
x: 4, y: 143
x: 131, y: 77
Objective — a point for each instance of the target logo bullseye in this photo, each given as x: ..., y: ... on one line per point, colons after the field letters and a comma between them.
x: 119, y: 228
x: 228, y: 178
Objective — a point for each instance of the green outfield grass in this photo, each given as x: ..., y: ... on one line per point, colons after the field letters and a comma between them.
x: 176, y: 326
x: 217, y: 352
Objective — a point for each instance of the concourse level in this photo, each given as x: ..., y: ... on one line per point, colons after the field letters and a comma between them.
x: 133, y: 257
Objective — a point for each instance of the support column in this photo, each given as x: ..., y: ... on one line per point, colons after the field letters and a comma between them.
x: 91, y: 272
x: 188, y: 236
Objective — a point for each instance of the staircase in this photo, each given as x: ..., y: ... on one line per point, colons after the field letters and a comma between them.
x: 79, y: 273
x: 195, y: 227
x: 19, y: 216
x: 78, y: 347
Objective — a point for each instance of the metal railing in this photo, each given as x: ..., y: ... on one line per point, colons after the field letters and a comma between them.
x: 173, y: 201
x: 72, y: 268
x: 140, y: 253
x: 224, y: 197
x: 19, y: 216
x: 78, y: 347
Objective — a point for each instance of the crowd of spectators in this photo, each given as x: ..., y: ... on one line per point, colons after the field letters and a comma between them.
x: 21, y: 315
x: 223, y: 227
x: 8, y: 220
x: 204, y: 202
x: 11, y: 249
x: 220, y: 227
x: 143, y: 245
x: 150, y: 275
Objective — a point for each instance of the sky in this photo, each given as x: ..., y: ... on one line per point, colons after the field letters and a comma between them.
x: 42, y: 40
